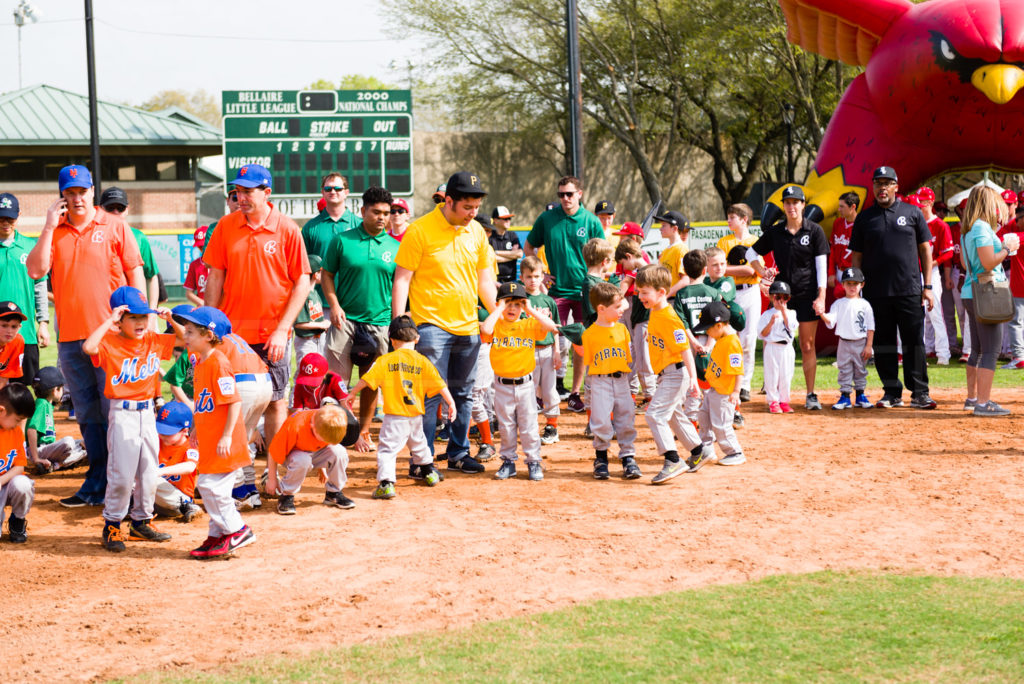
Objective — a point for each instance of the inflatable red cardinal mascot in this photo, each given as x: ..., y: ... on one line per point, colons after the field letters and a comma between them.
x: 940, y: 91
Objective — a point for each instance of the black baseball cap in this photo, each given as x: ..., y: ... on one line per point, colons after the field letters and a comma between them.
x: 780, y: 287
x: 9, y: 206
x: 715, y: 312
x: 604, y: 207
x: 852, y: 273
x: 737, y: 256
x: 10, y: 309
x: 794, y: 192
x: 513, y: 290
x: 674, y: 218
x: 464, y: 183
x: 485, y: 222
x: 47, y: 378
x: 114, y: 195
x: 400, y: 323
x: 884, y: 172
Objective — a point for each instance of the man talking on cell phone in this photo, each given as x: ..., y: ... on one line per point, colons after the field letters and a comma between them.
x: 88, y: 254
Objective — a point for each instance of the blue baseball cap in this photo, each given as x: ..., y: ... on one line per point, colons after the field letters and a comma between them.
x: 207, y: 317
x: 9, y: 206
x: 173, y: 417
x: 252, y: 176
x: 132, y: 298
x: 180, y: 309
x: 74, y: 176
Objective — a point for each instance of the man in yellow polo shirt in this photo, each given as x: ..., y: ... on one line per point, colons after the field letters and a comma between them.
x: 443, y: 266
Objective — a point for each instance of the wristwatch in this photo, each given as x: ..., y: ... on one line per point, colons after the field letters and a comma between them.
x: 927, y: 287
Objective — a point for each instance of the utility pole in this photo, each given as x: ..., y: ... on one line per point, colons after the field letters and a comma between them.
x: 575, y: 93
x: 94, y: 124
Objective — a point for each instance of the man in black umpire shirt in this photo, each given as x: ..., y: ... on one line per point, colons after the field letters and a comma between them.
x: 890, y: 243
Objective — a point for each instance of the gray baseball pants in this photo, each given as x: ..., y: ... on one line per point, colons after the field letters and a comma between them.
x: 483, y: 388
x: 853, y: 374
x: 612, y: 413
x: 544, y: 379
x: 18, y: 493
x: 215, y: 490
x: 516, y: 409
x: 133, y: 447
x: 169, y: 499
x: 297, y: 465
x: 62, y: 452
x: 665, y: 414
x: 395, y: 433
x: 642, y: 360
x: 255, y: 395
x: 716, y: 414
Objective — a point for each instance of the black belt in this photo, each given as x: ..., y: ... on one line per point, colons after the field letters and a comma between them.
x: 677, y: 364
x: 616, y: 374
x: 782, y: 341
x: 746, y: 286
x: 514, y: 381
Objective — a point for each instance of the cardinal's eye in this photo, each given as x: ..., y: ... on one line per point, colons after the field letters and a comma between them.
x: 948, y: 59
x: 946, y: 50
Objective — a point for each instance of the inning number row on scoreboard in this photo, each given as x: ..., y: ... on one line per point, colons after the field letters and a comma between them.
x: 301, y: 135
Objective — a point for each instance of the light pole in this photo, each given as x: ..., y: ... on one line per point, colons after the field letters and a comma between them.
x: 575, y: 93
x: 788, y: 112
x: 22, y: 12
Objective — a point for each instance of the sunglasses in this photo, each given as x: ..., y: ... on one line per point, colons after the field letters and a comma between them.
x: 115, y: 209
x: 335, y: 188
x: 398, y: 211
x: 567, y: 195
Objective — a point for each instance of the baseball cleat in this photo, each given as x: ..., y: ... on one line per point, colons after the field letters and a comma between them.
x: 670, y: 470
x: 338, y: 500
x: 507, y: 470
x: 142, y: 530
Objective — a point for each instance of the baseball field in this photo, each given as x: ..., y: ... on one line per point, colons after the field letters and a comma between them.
x: 859, y: 545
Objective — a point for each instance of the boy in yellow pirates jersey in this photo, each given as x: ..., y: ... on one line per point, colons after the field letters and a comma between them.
x: 513, y: 340
x: 606, y: 354
x: 672, y: 360
x: 724, y: 374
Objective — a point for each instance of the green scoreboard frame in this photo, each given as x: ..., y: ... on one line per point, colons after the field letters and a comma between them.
x: 300, y: 135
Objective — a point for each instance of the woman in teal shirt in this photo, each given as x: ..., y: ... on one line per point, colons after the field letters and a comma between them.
x: 981, y: 251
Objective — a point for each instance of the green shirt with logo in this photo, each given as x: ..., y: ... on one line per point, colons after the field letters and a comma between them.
x: 364, y: 269
x: 15, y: 285
x: 562, y: 237
x: 543, y: 301
x: 692, y: 299
x: 725, y: 285
x: 320, y: 231
x: 42, y: 422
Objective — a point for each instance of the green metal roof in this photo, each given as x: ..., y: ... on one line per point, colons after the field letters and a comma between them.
x: 44, y: 115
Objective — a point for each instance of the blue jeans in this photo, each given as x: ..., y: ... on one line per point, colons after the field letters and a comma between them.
x: 454, y: 356
x: 84, y: 382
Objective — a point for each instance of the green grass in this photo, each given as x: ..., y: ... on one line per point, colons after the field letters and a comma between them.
x: 819, y: 627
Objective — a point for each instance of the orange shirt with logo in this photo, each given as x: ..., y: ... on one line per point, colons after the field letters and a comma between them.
x: 12, y: 449
x: 241, y: 356
x: 10, y: 357
x: 295, y: 434
x: 214, y: 392
x: 87, y: 265
x: 133, y: 366
x: 173, y: 455
x: 261, y: 266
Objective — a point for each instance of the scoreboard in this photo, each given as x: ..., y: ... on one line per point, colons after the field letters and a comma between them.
x: 299, y: 135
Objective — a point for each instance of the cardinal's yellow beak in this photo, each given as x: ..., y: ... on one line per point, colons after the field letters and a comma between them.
x: 999, y: 82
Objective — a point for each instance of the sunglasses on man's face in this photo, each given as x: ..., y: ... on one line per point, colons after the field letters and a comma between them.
x: 335, y: 188
x: 115, y: 209
x: 398, y: 211
x: 567, y: 195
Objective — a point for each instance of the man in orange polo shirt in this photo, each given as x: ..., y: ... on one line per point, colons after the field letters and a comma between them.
x: 259, y: 277
x: 88, y: 254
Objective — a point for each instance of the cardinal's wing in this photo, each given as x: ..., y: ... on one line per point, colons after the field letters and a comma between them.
x: 841, y: 29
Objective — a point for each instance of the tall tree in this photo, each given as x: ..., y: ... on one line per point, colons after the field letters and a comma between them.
x: 199, y: 103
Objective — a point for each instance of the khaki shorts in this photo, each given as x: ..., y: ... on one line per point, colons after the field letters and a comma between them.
x: 339, y: 346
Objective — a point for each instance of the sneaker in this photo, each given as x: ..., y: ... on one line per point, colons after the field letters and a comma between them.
x: 922, y: 401
x: 1014, y: 364
x: 812, y: 403
x: 229, y: 543
x: 76, y: 457
x: 843, y: 403
x: 785, y: 407
x: 707, y: 455
x: 601, y: 469
x: 862, y: 401
x: 964, y: 357
x: 575, y: 404
x: 286, y: 505
x: 433, y: 476
x: 733, y: 459
x: 73, y: 502
x: 945, y: 362
x: 486, y: 452
x: 203, y: 549
x: 737, y: 421
x: 888, y: 402
x: 969, y: 404
x: 550, y: 435
x: 384, y: 490
x: 536, y: 471
x: 422, y: 472
x: 507, y: 470
x: 990, y: 410
x: 250, y: 499
x: 142, y: 530
x: 587, y: 432
x: 17, y: 530
x: 468, y: 465
x: 113, y: 540
x: 444, y: 433
x: 563, y: 391
x: 189, y: 511
x: 774, y: 407
x: 670, y: 470
x: 338, y: 500
x: 630, y: 470
x: 744, y: 396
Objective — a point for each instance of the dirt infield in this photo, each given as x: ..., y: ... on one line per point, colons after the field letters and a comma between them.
x: 901, y: 490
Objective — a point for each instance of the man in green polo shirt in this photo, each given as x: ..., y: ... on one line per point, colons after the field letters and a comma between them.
x: 358, y: 272
x: 319, y: 231
x: 114, y: 200
x: 562, y: 232
x: 17, y: 287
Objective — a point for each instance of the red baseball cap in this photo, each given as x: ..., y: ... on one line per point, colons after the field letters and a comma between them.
x: 630, y: 228
x: 312, y: 369
x: 199, y: 237
x: 401, y: 203
x: 913, y: 199
x: 1009, y: 196
x: 926, y: 194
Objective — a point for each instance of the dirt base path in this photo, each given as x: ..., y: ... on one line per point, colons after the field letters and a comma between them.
x: 902, y: 490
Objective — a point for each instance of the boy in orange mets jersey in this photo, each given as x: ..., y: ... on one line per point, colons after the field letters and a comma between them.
x: 606, y: 346
x: 12, y: 344
x: 131, y: 359
x: 16, y: 489
x: 219, y: 433
x: 176, y: 481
